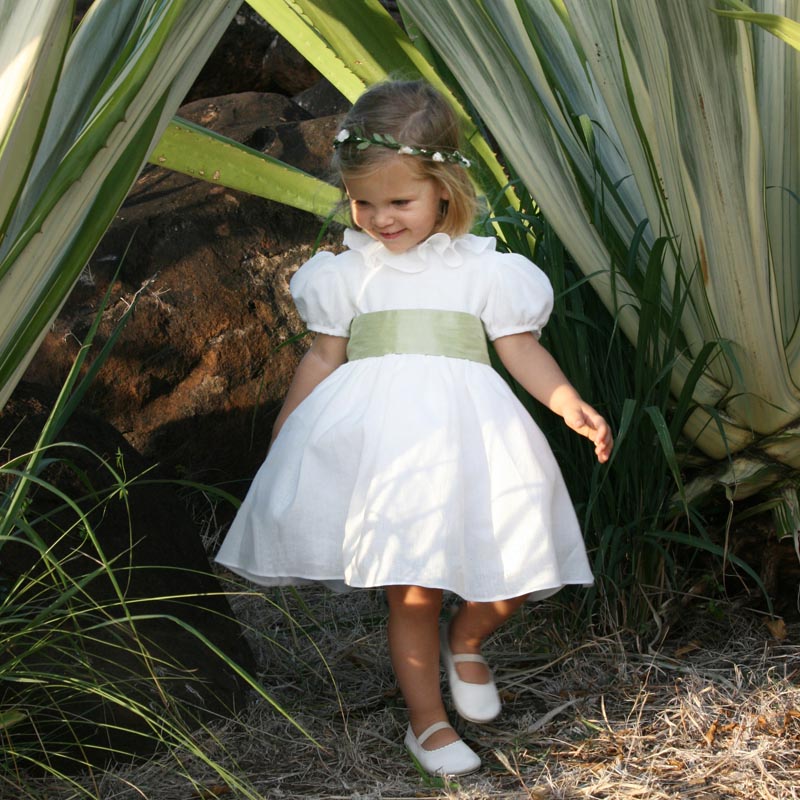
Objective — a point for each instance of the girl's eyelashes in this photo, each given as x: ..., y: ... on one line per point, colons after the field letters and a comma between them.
x: 364, y: 203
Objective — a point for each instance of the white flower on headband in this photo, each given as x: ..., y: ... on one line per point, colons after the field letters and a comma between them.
x: 358, y: 138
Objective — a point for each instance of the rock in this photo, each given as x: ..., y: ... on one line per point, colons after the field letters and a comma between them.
x: 251, y: 56
x: 199, y: 372
x: 244, y: 115
x: 288, y: 71
x: 160, y: 567
x: 306, y: 145
x: 322, y: 99
x: 237, y: 62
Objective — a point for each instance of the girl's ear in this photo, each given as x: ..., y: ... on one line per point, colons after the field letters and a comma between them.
x: 443, y: 193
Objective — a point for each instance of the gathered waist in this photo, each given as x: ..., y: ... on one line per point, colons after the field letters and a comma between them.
x: 419, y: 331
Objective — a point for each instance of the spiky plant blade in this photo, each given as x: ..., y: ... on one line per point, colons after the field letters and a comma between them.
x: 196, y: 151
x: 32, y: 44
x: 142, y: 60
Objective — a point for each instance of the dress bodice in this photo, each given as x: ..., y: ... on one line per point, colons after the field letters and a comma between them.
x: 508, y: 293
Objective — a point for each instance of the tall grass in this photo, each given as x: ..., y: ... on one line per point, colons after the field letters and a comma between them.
x: 82, y: 682
x: 642, y: 532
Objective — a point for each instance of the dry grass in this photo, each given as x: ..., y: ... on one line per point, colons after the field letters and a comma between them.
x: 715, y: 713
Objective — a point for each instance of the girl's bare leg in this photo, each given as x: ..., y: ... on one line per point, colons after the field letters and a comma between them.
x: 414, y: 650
x: 471, y: 625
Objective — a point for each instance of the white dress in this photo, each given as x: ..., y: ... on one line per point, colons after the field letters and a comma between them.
x: 413, y: 469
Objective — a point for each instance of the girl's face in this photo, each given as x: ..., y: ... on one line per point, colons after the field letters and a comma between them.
x: 395, y: 204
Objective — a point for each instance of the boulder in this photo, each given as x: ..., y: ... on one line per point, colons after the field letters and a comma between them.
x: 251, y: 56
x: 288, y: 71
x: 201, y: 368
x: 322, y: 99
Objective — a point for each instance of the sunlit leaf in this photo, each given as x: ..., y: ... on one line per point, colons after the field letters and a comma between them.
x: 193, y: 150
x: 782, y: 27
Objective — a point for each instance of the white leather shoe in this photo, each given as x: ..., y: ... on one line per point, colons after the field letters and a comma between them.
x: 456, y: 758
x: 476, y: 702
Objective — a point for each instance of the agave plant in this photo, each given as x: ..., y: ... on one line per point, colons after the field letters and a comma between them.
x: 634, y: 120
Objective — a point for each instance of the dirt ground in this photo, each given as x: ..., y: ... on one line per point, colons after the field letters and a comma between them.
x: 712, y: 714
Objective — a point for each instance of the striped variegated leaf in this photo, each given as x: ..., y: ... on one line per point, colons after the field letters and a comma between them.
x: 32, y: 45
x: 617, y: 111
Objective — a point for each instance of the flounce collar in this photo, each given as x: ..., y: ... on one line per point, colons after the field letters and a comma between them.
x: 436, y: 249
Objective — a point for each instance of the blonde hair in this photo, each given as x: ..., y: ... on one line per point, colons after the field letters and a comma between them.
x: 416, y: 115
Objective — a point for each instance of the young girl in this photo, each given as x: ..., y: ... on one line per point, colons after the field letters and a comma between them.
x: 400, y: 458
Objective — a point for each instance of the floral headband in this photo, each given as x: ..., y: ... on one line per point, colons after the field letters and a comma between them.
x: 362, y: 142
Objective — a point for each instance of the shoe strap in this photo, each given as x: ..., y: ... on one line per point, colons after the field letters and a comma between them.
x: 460, y: 658
x: 428, y: 732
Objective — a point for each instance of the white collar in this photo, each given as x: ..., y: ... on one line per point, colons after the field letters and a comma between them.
x: 437, y: 249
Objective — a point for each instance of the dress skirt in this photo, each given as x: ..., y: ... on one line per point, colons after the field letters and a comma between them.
x: 410, y: 469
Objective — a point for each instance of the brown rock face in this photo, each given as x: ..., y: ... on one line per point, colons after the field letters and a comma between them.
x: 202, y: 366
x: 251, y: 56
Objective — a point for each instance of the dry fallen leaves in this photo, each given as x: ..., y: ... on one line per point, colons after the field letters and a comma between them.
x: 776, y: 628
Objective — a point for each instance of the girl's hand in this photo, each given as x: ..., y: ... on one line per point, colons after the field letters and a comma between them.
x: 534, y: 368
x: 583, y: 419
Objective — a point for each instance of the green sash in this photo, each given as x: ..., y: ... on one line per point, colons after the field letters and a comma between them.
x: 455, y: 334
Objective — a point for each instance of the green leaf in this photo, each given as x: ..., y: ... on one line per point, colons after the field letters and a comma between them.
x: 33, y: 41
x: 11, y: 717
x: 196, y: 151
x: 782, y: 27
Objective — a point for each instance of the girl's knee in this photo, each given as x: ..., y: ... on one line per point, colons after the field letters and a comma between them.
x: 414, y: 599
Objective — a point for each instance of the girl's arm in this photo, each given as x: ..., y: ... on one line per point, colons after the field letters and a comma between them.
x: 537, y: 371
x: 323, y: 357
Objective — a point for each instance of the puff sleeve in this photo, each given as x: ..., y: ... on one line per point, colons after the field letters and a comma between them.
x: 519, y: 298
x: 320, y: 293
